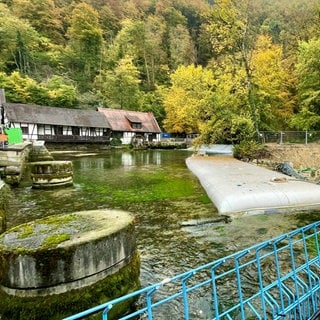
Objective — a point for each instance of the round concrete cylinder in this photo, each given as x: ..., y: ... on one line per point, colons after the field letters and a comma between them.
x: 60, y: 253
x: 48, y: 174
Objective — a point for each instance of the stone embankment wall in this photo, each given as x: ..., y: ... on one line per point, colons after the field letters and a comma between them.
x: 13, y: 161
x: 5, y: 196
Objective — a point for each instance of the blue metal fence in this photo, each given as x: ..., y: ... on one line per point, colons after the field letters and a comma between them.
x: 276, y: 279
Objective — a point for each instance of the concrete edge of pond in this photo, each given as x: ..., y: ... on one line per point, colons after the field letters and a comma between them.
x: 64, y: 252
x: 237, y: 188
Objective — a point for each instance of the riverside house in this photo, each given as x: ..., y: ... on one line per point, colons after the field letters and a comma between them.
x: 52, y: 124
x: 132, y: 126
x: 65, y: 125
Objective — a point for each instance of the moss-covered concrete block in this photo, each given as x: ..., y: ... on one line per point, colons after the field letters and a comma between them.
x: 49, y: 174
x: 64, y: 255
x: 64, y: 252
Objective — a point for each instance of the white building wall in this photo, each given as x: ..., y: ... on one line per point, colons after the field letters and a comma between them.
x: 66, y: 131
x: 27, y: 127
x: 127, y: 137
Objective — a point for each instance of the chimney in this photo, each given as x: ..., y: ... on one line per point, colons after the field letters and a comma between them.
x: 2, y: 97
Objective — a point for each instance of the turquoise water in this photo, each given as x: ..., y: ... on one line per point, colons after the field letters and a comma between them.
x: 164, y: 196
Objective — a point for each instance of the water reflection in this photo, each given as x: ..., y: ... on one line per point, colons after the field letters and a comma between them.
x: 160, y: 191
x: 127, y: 159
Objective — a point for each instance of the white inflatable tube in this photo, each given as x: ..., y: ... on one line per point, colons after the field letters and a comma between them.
x: 237, y: 188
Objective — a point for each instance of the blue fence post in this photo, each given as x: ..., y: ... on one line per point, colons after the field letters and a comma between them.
x: 261, y: 286
x: 185, y: 295
x: 149, y: 302
x: 278, y: 273
x: 214, y: 288
x: 105, y: 312
x: 237, y: 264
x: 306, y: 253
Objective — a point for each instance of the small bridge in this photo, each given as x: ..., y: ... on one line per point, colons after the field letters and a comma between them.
x: 276, y: 279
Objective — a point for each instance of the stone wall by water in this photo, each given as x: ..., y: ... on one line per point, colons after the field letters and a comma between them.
x: 13, y: 161
x: 4, y: 202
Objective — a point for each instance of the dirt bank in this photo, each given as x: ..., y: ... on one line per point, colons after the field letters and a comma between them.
x: 301, y: 156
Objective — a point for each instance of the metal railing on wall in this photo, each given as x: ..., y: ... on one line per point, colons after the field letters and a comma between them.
x: 282, y: 137
x: 276, y: 279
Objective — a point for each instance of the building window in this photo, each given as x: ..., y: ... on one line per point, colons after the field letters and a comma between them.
x: 41, y: 129
x: 25, y: 130
x: 75, y: 131
x: 136, y: 125
x: 58, y: 130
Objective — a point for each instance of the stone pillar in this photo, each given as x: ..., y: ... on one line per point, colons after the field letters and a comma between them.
x: 49, y: 174
x: 67, y: 263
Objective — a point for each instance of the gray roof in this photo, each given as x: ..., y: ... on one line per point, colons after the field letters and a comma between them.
x: 24, y: 113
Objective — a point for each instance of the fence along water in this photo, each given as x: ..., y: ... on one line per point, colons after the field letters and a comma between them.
x: 276, y: 279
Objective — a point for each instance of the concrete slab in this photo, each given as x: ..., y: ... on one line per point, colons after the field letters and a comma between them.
x: 237, y: 188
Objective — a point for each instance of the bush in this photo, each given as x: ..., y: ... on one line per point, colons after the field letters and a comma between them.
x: 115, y: 141
x: 248, y: 150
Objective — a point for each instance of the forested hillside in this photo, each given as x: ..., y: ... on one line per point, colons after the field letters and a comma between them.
x: 223, y: 68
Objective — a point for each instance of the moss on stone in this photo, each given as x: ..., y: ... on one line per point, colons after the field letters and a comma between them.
x: 56, y: 307
x: 5, y: 198
x: 26, y: 231
x: 53, y: 240
x: 49, y: 231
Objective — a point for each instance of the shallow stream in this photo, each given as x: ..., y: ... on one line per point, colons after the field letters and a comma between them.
x: 164, y: 196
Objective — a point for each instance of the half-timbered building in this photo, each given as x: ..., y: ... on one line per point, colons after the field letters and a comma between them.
x: 53, y: 124
x: 132, y: 126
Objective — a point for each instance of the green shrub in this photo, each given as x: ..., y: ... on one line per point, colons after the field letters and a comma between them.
x: 248, y: 150
x: 115, y: 141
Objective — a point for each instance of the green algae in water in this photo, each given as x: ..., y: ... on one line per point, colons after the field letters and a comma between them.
x: 145, y: 187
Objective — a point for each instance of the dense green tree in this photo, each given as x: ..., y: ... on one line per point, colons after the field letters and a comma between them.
x: 83, y: 53
x: 182, y: 50
x: 232, y: 36
x: 119, y: 88
x: 308, y: 69
x: 18, y: 42
x: 144, y: 42
x: 153, y: 102
x: 61, y: 93
x: 54, y: 92
x: 43, y: 15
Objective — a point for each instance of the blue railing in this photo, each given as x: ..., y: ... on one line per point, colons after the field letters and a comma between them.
x: 276, y: 279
